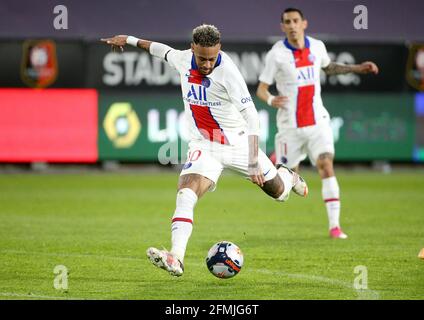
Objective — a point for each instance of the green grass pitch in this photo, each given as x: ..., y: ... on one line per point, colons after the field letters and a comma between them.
x: 100, y: 225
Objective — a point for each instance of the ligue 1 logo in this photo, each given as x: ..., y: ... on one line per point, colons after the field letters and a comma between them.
x: 39, y: 63
x: 122, y: 125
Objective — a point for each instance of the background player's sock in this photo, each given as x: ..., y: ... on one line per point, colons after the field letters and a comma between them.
x: 331, y: 196
x: 182, y: 221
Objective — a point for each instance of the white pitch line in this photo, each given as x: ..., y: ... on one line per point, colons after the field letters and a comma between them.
x: 363, y: 294
x: 366, y: 294
x: 22, y: 295
x: 76, y: 255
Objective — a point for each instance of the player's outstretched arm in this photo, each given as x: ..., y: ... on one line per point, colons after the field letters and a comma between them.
x: 156, y: 49
x: 340, y: 68
x: 118, y: 42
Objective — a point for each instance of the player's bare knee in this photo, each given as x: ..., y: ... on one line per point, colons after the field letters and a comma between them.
x: 325, y: 157
x: 325, y: 165
x: 191, y: 181
x: 195, y: 182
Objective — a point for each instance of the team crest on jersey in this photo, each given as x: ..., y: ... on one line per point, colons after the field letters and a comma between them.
x: 39, y: 63
x: 415, y: 66
x: 206, y: 82
x: 311, y: 58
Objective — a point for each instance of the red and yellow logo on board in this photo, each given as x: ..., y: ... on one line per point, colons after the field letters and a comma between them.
x: 39, y: 63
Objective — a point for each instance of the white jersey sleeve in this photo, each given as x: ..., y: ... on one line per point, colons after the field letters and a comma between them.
x: 325, y: 59
x: 237, y: 88
x: 268, y: 74
x: 175, y: 59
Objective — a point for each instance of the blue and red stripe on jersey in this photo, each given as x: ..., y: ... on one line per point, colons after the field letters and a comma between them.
x: 195, y: 77
x: 202, y: 115
x: 305, y: 115
x: 207, y: 125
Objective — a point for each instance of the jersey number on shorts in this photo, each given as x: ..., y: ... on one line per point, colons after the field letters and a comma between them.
x: 193, y: 156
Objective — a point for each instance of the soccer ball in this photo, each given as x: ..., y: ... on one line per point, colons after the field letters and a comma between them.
x: 224, y: 259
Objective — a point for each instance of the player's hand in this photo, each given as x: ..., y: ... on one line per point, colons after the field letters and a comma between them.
x: 280, y: 101
x: 367, y: 67
x: 116, y: 42
x: 256, y: 174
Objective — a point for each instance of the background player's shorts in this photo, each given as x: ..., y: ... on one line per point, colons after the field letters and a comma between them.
x: 209, y: 159
x: 292, y: 145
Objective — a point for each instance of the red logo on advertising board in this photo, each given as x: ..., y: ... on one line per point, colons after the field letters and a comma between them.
x: 39, y: 63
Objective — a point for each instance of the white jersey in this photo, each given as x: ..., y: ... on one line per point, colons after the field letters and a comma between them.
x: 212, y: 103
x: 297, y: 76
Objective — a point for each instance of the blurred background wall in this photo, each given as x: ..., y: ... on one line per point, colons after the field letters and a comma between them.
x: 65, y: 97
x: 390, y: 20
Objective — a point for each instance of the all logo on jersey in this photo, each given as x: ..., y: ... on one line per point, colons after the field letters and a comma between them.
x: 306, y: 75
x: 197, y: 93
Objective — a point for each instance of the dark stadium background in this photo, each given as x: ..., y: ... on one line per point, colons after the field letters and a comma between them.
x: 81, y: 129
x: 374, y: 118
x: 392, y: 20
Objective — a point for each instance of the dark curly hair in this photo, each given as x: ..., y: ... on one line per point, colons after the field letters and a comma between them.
x: 206, y: 35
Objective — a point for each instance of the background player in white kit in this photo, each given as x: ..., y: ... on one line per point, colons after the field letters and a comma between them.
x: 224, y: 129
x: 302, y: 120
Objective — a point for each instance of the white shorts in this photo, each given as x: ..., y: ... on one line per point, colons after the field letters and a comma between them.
x: 292, y: 145
x: 210, y: 158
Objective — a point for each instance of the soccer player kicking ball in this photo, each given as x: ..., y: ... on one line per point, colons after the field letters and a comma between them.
x: 224, y: 129
x: 302, y: 120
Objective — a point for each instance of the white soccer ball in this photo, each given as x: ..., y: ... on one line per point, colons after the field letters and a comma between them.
x: 224, y: 259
